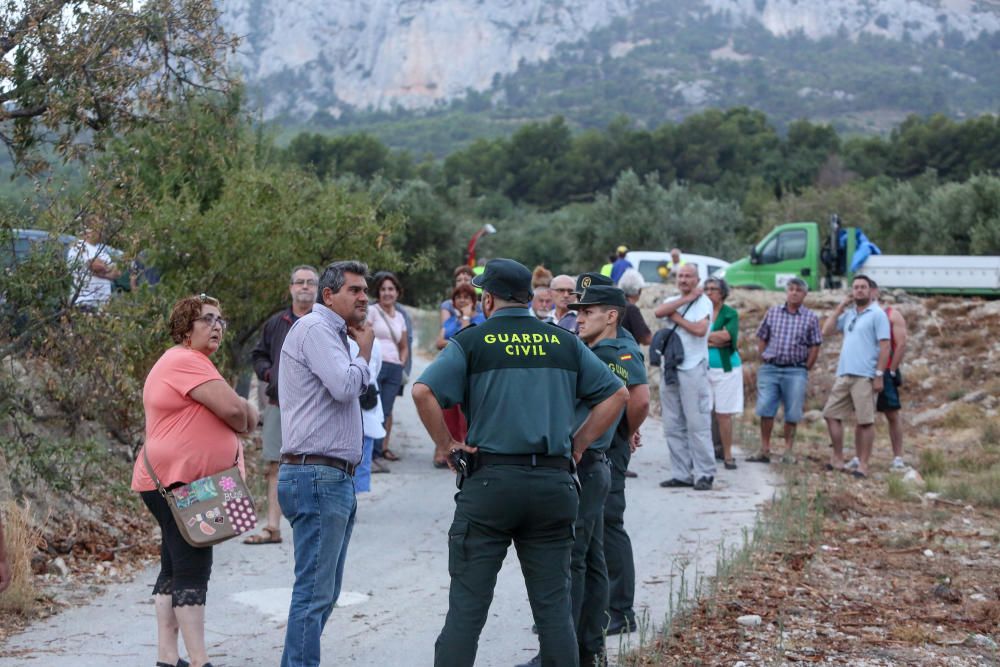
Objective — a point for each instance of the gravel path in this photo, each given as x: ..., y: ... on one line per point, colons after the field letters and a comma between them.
x: 396, y: 582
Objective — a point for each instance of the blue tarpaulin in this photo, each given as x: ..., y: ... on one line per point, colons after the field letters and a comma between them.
x: 864, y: 248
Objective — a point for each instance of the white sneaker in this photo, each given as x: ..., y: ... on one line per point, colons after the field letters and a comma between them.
x: 898, y: 464
x: 853, y: 464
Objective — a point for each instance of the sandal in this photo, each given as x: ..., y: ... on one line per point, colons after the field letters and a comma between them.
x: 730, y: 464
x: 265, y: 536
x: 389, y: 455
x: 759, y: 458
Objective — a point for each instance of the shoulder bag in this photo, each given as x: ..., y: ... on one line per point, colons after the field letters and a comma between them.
x: 212, y: 509
x: 665, y: 346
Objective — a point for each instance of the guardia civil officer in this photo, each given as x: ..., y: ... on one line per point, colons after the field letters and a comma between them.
x: 518, y: 381
x: 599, y: 310
x: 630, y: 367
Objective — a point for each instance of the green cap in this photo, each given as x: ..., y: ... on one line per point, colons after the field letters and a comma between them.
x: 585, y: 280
x: 505, y: 279
x: 600, y: 295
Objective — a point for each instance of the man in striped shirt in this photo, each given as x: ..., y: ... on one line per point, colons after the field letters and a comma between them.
x: 788, y: 341
x: 320, y: 383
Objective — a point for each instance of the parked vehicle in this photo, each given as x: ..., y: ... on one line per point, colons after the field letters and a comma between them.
x: 648, y: 263
x: 20, y: 243
x: 799, y: 249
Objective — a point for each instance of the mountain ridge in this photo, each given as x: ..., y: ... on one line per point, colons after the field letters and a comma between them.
x: 368, y: 63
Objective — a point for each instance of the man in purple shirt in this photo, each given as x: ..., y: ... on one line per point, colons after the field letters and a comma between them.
x: 788, y: 341
x: 320, y: 384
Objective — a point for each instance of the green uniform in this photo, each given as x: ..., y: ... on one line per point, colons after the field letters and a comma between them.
x: 588, y: 569
x: 626, y: 360
x: 518, y: 381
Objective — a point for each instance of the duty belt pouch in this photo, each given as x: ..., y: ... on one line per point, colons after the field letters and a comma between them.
x: 212, y: 509
x: 464, y: 464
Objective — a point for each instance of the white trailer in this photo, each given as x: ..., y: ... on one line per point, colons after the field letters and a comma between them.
x: 948, y: 274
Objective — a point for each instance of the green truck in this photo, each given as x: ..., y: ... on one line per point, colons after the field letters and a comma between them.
x: 801, y: 250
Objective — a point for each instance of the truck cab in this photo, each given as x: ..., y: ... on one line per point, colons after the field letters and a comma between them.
x: 792, y: 250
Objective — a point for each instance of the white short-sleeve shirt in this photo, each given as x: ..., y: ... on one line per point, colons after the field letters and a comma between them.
x: 695, y: 347
x: 93, y: 291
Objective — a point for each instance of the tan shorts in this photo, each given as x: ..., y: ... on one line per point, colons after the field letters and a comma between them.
x: 852, y: 396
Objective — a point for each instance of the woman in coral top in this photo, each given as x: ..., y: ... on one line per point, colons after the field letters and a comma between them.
x: 193, y: 417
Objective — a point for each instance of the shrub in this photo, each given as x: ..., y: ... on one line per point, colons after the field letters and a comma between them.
x: 932, y: 463
x: 22, y: 539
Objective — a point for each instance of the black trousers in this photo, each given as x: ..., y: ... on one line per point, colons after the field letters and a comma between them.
x: 184, y: 569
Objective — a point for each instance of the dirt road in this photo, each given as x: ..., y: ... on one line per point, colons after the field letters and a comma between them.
x: 396, y: 582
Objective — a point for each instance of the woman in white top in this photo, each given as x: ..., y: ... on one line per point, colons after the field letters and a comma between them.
x: 390, y: 332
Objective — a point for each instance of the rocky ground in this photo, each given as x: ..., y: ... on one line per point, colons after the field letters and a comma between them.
x: 895, y: 569
x: 901, y: 568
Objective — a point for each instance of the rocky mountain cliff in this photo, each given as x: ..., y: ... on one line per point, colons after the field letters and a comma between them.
x: 412, y: 54
x: 314, y: 56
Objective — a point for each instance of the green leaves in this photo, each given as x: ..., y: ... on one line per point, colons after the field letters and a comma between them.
x: 81, y: 72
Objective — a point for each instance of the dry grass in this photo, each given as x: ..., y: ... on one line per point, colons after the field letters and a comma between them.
x: 933, y: 462
x: 964, y: 415
x: 978, y: 488
x: 22, y: 540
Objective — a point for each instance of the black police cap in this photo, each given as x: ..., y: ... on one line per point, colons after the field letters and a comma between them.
x: 585, y: 280
x: 505, y: 279
x: 600, y: 295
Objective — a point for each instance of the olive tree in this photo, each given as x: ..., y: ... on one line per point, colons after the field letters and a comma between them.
x: 74, y: 73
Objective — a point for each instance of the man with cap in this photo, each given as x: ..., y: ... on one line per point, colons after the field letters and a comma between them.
x: 599, y: 309
x: 518, y: 381
x: 620, y: 264
x: 630, y: 367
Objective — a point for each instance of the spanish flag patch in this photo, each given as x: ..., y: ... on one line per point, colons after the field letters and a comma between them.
x: 625, y: 357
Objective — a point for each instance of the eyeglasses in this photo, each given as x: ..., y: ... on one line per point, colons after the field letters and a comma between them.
x: 312, y: 282
x: 211, y: 320
x: 711, y: 289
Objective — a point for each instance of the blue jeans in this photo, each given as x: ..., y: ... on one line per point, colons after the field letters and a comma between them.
x: 390, y: 383
x: 781, y: 385
x: 319, y: 502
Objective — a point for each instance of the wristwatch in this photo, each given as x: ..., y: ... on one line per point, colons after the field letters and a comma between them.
x: 879, y: 374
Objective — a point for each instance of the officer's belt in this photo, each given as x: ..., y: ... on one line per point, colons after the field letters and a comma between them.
x: 533, y: 460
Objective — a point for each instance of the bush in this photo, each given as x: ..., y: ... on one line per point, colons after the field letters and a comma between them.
x: 22, y: 539
x: 933, y: 463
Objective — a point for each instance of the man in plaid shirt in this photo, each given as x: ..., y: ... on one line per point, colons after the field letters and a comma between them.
x: 788, y: 341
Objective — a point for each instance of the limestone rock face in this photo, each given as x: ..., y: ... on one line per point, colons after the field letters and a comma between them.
x: 382, y: 54
x: 918, y: 19
x: 311, y: 55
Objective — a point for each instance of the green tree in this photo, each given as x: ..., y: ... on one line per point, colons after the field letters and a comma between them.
x: 641, y: 213
x: 75, y: 73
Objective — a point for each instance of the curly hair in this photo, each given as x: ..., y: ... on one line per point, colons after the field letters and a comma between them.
x: 185, y: 312
x: 467, y: 290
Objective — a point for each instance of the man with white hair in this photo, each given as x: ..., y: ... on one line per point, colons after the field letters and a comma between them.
x: 632, y: 283
x: 686, y: 402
